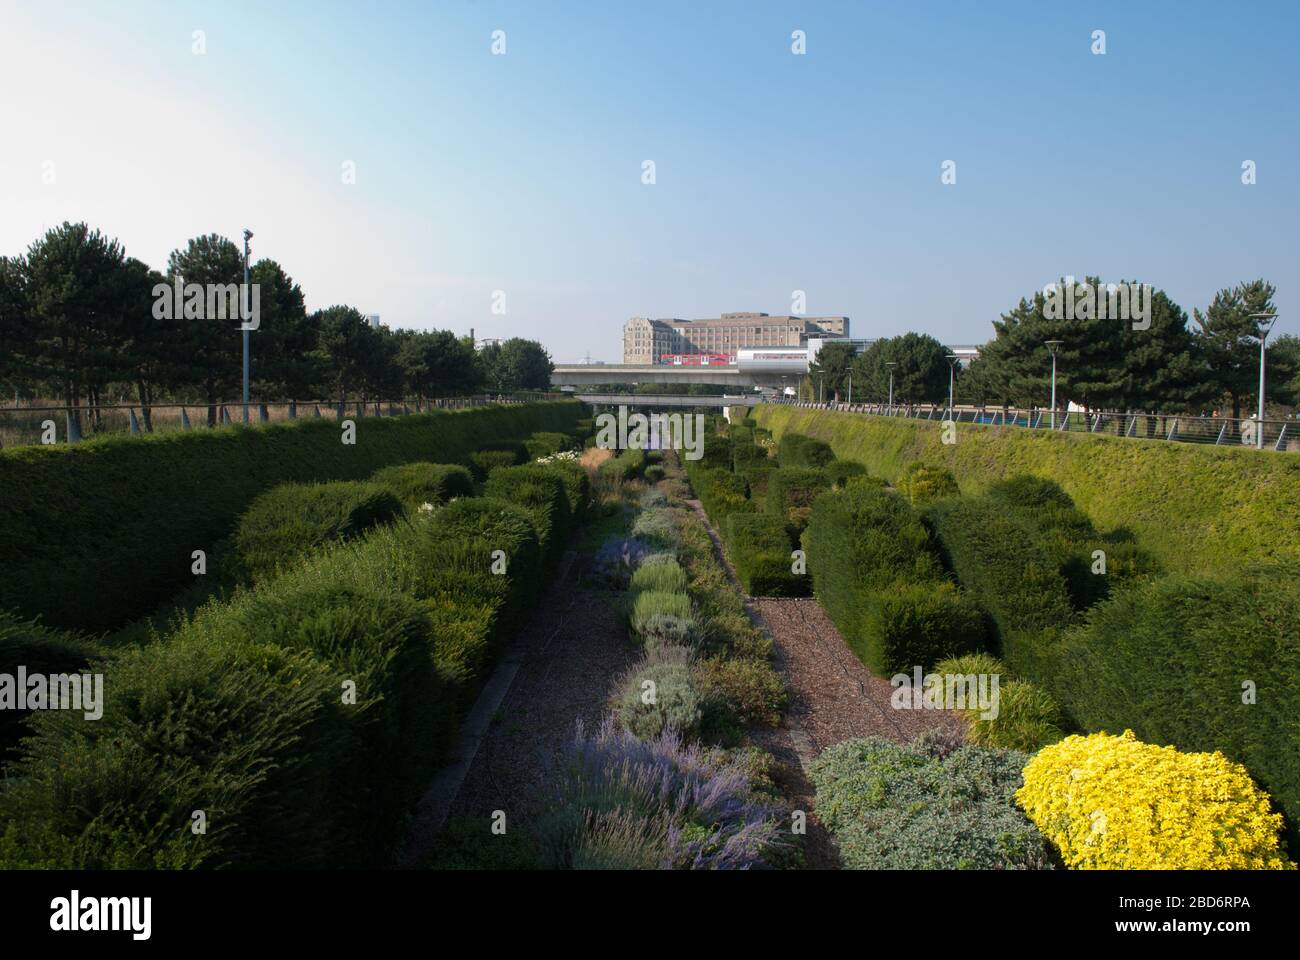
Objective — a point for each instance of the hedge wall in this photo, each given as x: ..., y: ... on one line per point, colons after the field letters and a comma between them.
x: 876, y: 571
x: 1195, y: 508
x: 1172, y: 659
x: 759, y: 549
x: 95, y: 534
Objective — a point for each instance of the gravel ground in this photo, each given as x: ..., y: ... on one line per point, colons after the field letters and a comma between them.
x: 574, y: 647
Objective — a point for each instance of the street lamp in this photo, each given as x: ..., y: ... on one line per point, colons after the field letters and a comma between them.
x: 248, y: 235
x: 952, y: 370
x: 1051, y: 346
x: 1264, y: 330
x: 891, y: 364
x: 850, y: 388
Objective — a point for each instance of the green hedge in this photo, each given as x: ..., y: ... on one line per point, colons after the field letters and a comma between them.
x: 544, y: 443
x: 790, y: 495
x: 716, y: 452
x: 924, y: 482
x: 876, y: 571
x: 1000, y: 557
x: 293, y: 519
x: 1196, y: 508
x: 122, y: 515
x: 720, y: 491
x: 1170, y: 660
x: 244, y: 713
x: 416, y: 484
x: 759, y: 548
x: 39, y: 649
x: 798, y: 450
x: 1067, y: 534
x: 841, y: 471
x: 543, y: 492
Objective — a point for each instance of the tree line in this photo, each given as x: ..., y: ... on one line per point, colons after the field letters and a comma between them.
x: 1161, y: 364
x: 80, y: 321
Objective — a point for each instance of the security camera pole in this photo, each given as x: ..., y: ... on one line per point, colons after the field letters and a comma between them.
x: 248, y: 235
x: 891, y: 364
x: 1052, y: 345
x: 1264, y: 329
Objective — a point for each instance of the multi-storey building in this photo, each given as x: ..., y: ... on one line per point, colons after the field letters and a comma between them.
x: 648, y: 341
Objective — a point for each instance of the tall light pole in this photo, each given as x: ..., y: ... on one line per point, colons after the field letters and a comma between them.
x: 1051, y: 346
x: 850, y: 388
x: 244, y: 317
x: 891, y: 364
x: 1264, y: 330
x: 952, y: 372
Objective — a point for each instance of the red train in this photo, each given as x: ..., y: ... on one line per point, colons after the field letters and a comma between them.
x: 698, y: 359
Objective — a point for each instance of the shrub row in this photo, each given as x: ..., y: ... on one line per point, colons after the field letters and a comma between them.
x: 759, y: 547
x: 876, y: 571
x: 997, y: 555
x: 123, y: 514
x: 797, y: 450
x: 416, y: 484
x: 790, y: 495
x: 303, y: 717
x: 1195, y: 507
x: 291, y: 520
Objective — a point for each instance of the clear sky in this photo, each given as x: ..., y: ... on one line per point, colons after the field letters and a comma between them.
x: 774, y: 172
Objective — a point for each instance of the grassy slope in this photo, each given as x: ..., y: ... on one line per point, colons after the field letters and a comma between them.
x: 1199, y: 509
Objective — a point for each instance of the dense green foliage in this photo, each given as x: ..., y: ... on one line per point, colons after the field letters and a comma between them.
x: 759, y: 548
x: 293, y: 519
x: 790, y: 495
x: 876, y: 571
x: 1194, y: 508
x: 125, y: 514
x: 416, y: 484
x: 40, y: 650
x: 797, y: 450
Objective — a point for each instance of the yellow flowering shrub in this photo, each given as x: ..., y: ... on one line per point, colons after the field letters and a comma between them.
x: 1115, y: 803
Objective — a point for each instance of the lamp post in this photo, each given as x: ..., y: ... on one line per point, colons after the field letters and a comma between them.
x: 1264, y: 329
x: 952, y: 371
x: 891, y: 364
x: 850, y: 388
x: 248, y: 235
x: 1051, y: 346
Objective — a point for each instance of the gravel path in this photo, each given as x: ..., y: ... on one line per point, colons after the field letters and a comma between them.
x: 571, y: 652
x: 833, y: 697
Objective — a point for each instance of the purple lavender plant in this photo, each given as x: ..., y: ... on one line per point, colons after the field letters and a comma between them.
x: 696, y: 798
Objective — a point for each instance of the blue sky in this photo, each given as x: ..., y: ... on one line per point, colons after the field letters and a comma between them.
x: 774, y: 172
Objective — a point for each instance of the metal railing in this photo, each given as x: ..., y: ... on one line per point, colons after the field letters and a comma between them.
x: 1277, y: 435
x: 29, y: 425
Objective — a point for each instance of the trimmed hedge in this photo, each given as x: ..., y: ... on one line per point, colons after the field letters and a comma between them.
x: 919, y: 624
x: 798, y: 450
x: 790, y: 495
x: 416, y: 484
x: 246, y: 713
x: 40, y: 650
x: 876, y: 571
x: 924, y: 482
x: 839, y: 472
x: 716, y: 452
x: 124, y: 514
x: 484, y: 462
x: 293, y: 519
x: 759, y: 548
x: 1171, y: 659
x: 721, y: 492
x: 545, y: 443
x: 543, y: 492
x: 1195, y: 507
x: 1001, y: 559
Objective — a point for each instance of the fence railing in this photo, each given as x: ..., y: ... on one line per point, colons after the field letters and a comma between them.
x: 27, y: 425
x: 1276, y: 435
